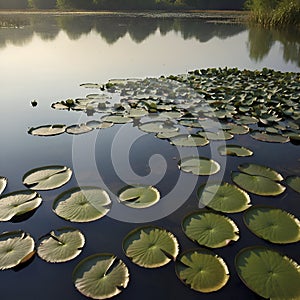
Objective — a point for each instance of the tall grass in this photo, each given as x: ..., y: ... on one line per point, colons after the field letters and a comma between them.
x: 275, y: 13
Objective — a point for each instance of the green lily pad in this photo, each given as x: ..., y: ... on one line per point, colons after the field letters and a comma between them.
x: 101, y: 276
x: 158, y: 127
x: 3, y: 184
x: 216, y: 136
x: 150, y: 247
x: 268, y: 273
x: 273, y: 224
x: 258, y: 185
x: 83, y: 204
x: 61, y: 245
x: 254, y: 169
x: 293, y: 182
x: 139, y: 196
x: 247, y: 120
x: 137, y: 113
x: 48, y: 130
x: 237, y: 128
x: 78, y: 129
x: 210, y: 229
x: 199, y: 166
x: 234, y: 150
x: 47, y: 178
x: 18, y: 203
x: 116, y: 119
x: 223, y: 197
x: 167, y: 135
x: 189, y: 140
x: 202, y: 270
x: 16, y: 247
x: 268, y: 137
x: 94, y: 124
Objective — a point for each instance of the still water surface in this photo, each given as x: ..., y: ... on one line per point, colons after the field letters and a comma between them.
x: 46, y: 58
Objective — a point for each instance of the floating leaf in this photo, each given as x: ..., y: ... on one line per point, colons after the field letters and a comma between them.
x: 150, y: 246
x: 100, y: 276
x: 258, y: 185
x: 158, y: 127
x: 268, y: 273
x: 167, y: 135
x: 199, y: 165
x: 234, y: 150
x: 137, y: 113
x: 61, y: 245
x: 83, y: 204
x: 268, y: 137
x: 117, y: 119
x: 18, y: 203
x: 223, y: 197
x: 273, y: 224
x: 237, y: 129
x: 47, y: 178
x: 216, y: 136
x: 15, y: 248
x: 48, y: 130
x: 78, y: 129
x: 202, y: 270
x: 139, y: 196
x: 94, y: 124
x: 189, y: 140
x: 253, y: 169
x: 210, y: 229
x: 293, y: 182
x: 3, y: 183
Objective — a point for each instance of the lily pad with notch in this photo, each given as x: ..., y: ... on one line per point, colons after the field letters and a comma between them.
x: 138, y: 196
x: 61, y: 245
x: 158, y: 127
x: 82, y: 204
x: 47, y: 178
x: 78, y: 129
x: 234, y: 150
x: 202, y: 270
x: 269, y: 137
x: 188, y: 140
x: 3, y: 184
x: 210, y: 229
x: 48, y: 130
x: 117, y: 119
x: 293, y: 182
x: 16, y: 248
x: 101, y: 276
x: 223, y: 197
x: 273, y: 224
x: 150, y: 246
x: 268, y: 273
x: 199, y: 165
x: 260, y: 170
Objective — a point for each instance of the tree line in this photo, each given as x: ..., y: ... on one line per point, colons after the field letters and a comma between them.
x: 122, y: 4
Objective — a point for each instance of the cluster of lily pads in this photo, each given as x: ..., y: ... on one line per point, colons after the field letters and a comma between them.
x: 190, y: 110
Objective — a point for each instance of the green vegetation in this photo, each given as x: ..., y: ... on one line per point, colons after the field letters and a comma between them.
x: 275, y: 13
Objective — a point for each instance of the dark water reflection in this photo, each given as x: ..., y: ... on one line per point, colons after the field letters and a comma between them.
x: 28, y: 73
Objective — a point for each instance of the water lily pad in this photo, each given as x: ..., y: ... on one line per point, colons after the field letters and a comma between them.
x: 116, y: 119
x: 78, y: 129
x: 139, y: 196
x: 101, y: 276
x: 167, y: 135
x: 210, y: 229
x: 199, y: 166
x: 268, y: 137
x: 48, y: 130
x: 158, y: 127
x: 216, y: 136
x: 61, y: 245
x: 137, y: 113
x: 237, y: 128
x: 273, y: 224
x: 258, y: 185
x: 16, y: 247
x: 202, y: 270
x: 189, y: 140
x: 293, y: 182
x: 223, y: 197
x: 150, y: 247
x: 94, y: 124
x: 234, y: 150
x: 18, y: 203
x: 83, y: 204
x: 47, y: 178
x: 254, y: 169
x: 268, y: 273
x: 3, y: 183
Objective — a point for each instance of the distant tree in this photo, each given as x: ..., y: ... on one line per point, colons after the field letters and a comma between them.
x: 74, y: 4
x: 42, y: 4
x: 13, y: 4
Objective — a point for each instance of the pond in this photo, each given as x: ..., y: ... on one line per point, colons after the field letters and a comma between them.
x: 45, y: 58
